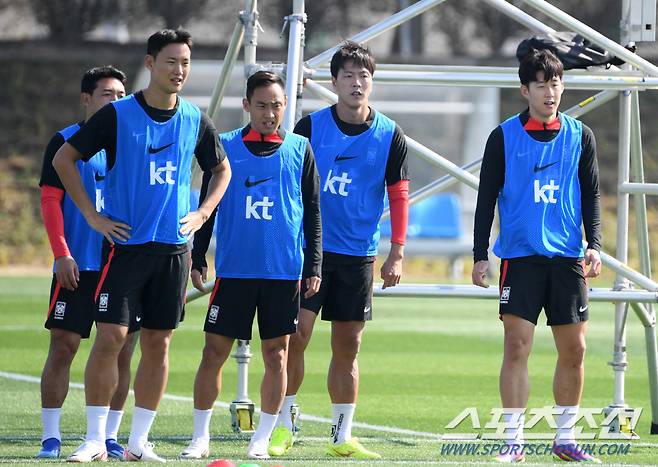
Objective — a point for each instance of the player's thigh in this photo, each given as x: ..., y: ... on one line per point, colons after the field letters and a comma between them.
x: 73, y: 310
x: 163, y: 298
x: 232, y: 308
x: 350, y: 295
x: 278, y: 308
x: 523, y: 285
x: 123, y: 277
x: 568, y: 294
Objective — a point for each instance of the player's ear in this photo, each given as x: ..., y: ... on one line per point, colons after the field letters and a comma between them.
x: 245, y: 104
x: 148, y: 61
x: 85, y: 99
x: 524, y: 91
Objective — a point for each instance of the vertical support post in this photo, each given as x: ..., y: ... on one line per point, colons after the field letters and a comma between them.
x: 296, y: 22
x: 640, y: 204
x: 300, y: 76
x: 250, y: 42
x: 619, y: 361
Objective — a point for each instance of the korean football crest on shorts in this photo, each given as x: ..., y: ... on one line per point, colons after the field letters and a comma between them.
x: 102, y: 302
x: 504, y: 295
x: 60, y: 309
x: 212, y: 315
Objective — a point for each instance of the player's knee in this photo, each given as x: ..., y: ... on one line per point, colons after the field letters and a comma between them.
x: 63, y: 351
x: 274, y: 358
x: 109, y: 341
x: 214, y: 354
x: 155, y: 344
x: 573, y: 355
x: 516, y: 348
x: 300, y: 339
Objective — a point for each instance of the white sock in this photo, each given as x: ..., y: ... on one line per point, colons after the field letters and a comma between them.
x: 96, y: 421
x: 341, y: 425
x: 285, y: 414
x: 202, y: 425
x: 113, y: 423
x: 514, y: 420
x: 565, y: 424
x: 50, y: 422
x: 264, y: 429
x: 141, y: 425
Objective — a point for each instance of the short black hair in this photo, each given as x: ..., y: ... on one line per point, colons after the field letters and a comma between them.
x: 351, y: 51
x: 163, y: 38
x: 540, y: 60
x: 94, y: 75
x: 263, y: 78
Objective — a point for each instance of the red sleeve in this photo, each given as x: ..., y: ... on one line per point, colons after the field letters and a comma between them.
x: 53, y: 219
x: 398, y: 200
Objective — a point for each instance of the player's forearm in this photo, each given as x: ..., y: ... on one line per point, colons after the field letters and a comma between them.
x: 204, y: 234
x: 221, y: 176
x: 53, y: 220
x: 64, y: 163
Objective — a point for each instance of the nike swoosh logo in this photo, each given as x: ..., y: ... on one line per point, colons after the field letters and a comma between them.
x: 582, y: 308
x: 343, y: 158
x: 248, y: 183
x: 98, y: 177
x: 153, y: 150
x: 135, y: 455
x: 138, y: 318
x: 539, y: 168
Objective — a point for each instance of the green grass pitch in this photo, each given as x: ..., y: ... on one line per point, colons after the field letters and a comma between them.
x: 422, y: 362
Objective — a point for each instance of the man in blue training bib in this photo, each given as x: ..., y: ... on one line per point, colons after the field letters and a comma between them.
x: 540, y: 165
x: 272, y: 204
x: 149, y: 139
x: 361, y: 154
x: 77, y: 251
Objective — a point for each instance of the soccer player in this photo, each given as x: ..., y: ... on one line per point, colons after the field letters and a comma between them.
x: 273, y: 201
x: 77, y: 251
x: 149, y: 138
x: 360, y: 154
x: 540, y: 165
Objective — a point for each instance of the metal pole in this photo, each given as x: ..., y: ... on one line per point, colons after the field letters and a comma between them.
x: 645, y: 258
x: 379, y: 28
x: 250, y: 43
x: 225, y: 74
x: 595, y: 36
x: 640, y: 189
x: 300, y: 75
x: 296, y: 23
x: 589, y: 81
x: 519, y: 15
x: 436, y: 186
x: 591, y: 103
x: 604, y: 295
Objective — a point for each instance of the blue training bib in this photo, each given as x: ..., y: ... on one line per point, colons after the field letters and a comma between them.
x: 259, y: 226
x: 84, y: 242
x: 352, y: 174
x: 149, y: 186
x: 539, y: 205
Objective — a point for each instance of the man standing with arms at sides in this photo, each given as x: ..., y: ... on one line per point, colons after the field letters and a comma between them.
x: 360, y: 154
x: 150, y: 138
x: 540, y: 165
x: 273, y: 202
x: 77, y: 251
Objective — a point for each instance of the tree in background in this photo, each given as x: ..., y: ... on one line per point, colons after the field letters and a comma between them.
x: 69, y: 20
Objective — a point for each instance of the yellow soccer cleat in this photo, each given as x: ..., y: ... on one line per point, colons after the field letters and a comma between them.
x: 351, y: 448
x: 280, y: 442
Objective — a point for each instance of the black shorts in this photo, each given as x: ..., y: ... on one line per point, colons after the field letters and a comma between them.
x: 73, y: 310
x: 345, y: 292
x: 233, y: 304
x: 557, y: 285
x: 140, y: 289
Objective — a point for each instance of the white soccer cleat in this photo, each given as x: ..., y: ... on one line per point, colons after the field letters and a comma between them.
x: 258, y: 451
x: 89, y: 451
x: 197, y: 449
x: 143, y: 453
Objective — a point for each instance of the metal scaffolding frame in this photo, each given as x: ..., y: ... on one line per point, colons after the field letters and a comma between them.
x: 631, y: 288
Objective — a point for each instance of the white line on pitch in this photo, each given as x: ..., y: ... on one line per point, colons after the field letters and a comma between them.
x: 304, y: 417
